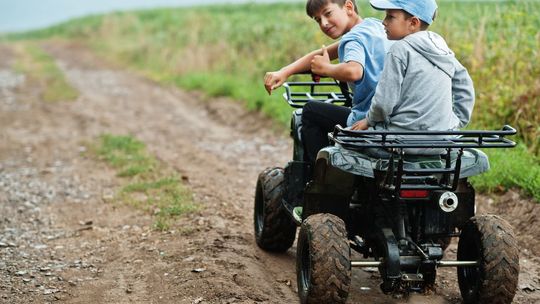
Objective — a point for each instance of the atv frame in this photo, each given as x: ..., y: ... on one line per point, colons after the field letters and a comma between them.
x: 367, y: 193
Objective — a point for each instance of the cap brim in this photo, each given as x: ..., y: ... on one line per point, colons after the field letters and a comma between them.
x: 383, y: 5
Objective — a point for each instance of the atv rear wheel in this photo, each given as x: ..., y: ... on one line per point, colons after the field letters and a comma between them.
x: 274, y: 229
x: 323, y: 260
x: 488, y: 239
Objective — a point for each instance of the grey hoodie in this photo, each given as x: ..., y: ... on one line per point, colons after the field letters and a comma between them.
x: 422, y: 87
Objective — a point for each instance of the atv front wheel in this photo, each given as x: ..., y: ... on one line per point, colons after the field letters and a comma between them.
x: 323, y: 260
x: 274, y: 229
x: 489, y: 240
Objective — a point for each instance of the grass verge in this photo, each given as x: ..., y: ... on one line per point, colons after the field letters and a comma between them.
x: 510, y: 168
x: 41, y: 69
x: 152, y: 186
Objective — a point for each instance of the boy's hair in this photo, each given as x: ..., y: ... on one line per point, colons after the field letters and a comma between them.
x: 314, y: 6
x: 424, y: 26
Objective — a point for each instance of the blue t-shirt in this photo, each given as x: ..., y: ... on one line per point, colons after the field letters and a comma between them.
x: 366, y: 44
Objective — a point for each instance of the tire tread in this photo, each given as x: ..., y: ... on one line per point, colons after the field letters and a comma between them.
x: 279, y: 230
x: 330, y: 258
x: 499, y: 259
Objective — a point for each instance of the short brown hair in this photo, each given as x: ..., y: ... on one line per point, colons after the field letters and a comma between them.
x: 424, y: 26
x: 313, y: 6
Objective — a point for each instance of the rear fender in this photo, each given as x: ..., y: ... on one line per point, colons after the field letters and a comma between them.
x: 473, y: 162
x: 352, y: 162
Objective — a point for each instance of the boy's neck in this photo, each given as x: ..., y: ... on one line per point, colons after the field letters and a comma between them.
x: 354, y: 21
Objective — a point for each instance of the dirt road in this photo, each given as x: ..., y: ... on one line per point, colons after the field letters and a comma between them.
x: 63, y: 240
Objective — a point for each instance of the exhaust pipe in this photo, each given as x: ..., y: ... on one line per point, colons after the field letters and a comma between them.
x: 448, y: 201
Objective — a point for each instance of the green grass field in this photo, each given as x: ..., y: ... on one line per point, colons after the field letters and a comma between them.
x: 225, y: 50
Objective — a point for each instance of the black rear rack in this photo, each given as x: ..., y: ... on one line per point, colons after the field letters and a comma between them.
x: 355, y: 140
x: 309, y: 92
x: 396, y: 142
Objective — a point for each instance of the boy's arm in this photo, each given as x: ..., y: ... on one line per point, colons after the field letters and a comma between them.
x: 351, y: 69
x: 463, y: 95
x: 388, y: 91
x: 273, y: 80
x: 346, y: 71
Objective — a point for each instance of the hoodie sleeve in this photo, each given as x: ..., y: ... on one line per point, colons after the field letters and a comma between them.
x: 463, y: 94
x: 388, y: 91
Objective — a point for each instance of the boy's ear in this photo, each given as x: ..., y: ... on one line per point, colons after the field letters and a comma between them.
x: 415, y: 22
x: 349, y: 5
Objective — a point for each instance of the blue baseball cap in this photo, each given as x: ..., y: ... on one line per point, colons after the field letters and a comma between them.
x: 423, y: 9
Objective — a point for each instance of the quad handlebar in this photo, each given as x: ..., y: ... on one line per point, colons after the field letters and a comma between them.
x: 297, y: 94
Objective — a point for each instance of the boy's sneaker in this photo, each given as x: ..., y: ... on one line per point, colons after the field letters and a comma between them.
x: 297, y: 214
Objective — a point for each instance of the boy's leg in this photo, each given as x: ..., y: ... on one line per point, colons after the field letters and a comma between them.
x: 319, y: 118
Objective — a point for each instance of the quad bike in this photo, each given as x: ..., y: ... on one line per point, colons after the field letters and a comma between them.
x: 397, y: 210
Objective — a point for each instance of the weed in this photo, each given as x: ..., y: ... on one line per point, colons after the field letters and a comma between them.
x: 150, y: 188
x: 125, y: 153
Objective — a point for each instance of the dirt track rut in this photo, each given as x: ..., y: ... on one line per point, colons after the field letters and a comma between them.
x: 63, y: 240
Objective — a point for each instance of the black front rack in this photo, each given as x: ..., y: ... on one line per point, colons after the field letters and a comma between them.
x: 316, y: 91
x: 396, y: 142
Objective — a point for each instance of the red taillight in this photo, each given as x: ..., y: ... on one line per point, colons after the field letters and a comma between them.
x: 414, y: 193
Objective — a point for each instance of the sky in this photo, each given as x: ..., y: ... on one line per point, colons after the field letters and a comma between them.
x: 21, y: 15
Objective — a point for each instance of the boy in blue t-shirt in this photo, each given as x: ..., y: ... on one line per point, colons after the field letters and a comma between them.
x: 361, y: 53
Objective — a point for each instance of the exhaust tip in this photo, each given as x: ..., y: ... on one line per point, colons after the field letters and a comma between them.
x: 448, y: 201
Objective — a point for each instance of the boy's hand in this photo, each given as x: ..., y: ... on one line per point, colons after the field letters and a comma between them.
x: 273, y: 80
x: 360, y: 125
x: 320, y: 63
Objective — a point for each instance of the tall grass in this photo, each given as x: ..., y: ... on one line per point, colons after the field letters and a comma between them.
x: 500, y: 45
x: 225, y: 50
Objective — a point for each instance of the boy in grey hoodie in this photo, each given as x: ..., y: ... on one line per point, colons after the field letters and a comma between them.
x: 422, y: 86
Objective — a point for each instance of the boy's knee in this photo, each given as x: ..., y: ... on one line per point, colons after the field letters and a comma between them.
x: 310, y: 109
x: 307, y: 112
